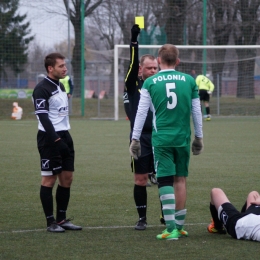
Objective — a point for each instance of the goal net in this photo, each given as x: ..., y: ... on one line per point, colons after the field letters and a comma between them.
x: 234, y: 70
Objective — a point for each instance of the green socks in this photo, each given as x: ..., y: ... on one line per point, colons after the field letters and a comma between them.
x: 167, y: 198
x: 180, y: 218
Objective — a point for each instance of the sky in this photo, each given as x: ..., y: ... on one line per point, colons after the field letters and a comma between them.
x: 48, y: 29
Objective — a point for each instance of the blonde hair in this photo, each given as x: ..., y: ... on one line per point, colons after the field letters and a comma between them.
x: 169, y: 54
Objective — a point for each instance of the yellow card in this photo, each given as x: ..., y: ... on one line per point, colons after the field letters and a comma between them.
x: 140, y: 21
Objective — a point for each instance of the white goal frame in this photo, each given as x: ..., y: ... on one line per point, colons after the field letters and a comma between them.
x: 117, y: 46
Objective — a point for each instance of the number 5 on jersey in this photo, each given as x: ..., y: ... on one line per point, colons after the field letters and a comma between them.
x: 172, y: 102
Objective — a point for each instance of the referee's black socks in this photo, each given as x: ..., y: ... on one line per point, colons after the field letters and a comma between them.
x: 140, y: 197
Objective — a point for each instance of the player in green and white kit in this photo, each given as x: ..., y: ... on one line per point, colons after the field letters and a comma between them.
x: 173, y: 97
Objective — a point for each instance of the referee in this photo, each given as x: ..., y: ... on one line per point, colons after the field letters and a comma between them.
x: 134, y: 80
x: 54, y: 143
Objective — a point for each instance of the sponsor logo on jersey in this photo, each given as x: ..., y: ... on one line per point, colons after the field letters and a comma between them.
x: 45, y: 164
x: 40, y: 103
x: 63, y: 111
x: 56, y: 168
x: 55, y: 92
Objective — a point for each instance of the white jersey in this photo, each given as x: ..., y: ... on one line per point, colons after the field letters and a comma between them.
x: 248, y: 227
x: 49, y: 97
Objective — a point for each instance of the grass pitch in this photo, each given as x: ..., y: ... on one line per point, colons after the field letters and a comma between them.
x: 104, y: 108
x: 102, y: 194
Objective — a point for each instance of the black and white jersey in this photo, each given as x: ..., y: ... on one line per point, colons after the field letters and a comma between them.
x: 248, y: 227
x: 49, y: 97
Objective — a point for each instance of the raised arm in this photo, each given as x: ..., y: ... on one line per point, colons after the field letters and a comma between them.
x: 132, y: 73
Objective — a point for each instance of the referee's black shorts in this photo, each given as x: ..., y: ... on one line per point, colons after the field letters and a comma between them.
x: 52, y: 162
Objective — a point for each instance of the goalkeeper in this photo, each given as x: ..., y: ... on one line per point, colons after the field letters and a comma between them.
x: 173, y: 97
x: 206, y: 88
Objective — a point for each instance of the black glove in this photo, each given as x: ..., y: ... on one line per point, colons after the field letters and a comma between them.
x: 63, y: 148
x: 135, y: 32
x: 197, y: 146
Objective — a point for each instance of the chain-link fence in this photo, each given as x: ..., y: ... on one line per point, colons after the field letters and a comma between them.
x: 29, y: 30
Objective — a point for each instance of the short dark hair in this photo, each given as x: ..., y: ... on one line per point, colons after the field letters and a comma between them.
x: 148, y: 56
x: 50, y: 59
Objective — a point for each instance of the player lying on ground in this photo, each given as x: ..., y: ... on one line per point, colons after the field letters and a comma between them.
x: 227, y: 219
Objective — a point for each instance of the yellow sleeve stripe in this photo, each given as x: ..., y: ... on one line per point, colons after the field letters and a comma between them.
x: 131, y: 65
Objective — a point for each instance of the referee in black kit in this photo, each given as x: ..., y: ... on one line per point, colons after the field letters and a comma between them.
x: 54, y: 143
x: 135, y: 76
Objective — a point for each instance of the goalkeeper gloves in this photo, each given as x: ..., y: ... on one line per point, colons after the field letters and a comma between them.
x: 209, y: 92
x: 135, y: 32
x: 197, y: 146
x: 135, y: 149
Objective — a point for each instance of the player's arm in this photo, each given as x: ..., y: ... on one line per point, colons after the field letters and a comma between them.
x: 48, y: 126
x: 197, y: 144
x: 132, y: 73
x: 211, y: 86
x: 53, y: 136
x: 126, y: 104
x: 197, y: 117
x: 143, y: 107
x: 41, y: 107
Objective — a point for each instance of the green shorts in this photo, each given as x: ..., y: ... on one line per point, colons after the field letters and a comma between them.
x: 170, y: 161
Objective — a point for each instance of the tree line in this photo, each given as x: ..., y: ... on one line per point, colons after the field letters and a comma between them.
x: 108, y: 22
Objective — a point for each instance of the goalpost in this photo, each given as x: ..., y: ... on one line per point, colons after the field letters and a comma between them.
x: 231, y: 64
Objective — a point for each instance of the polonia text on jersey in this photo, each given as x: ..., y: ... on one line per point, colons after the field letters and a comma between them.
x: 168, y: 77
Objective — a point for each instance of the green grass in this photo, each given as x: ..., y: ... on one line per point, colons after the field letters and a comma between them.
x: 102, y: 194
x: 94, y: 108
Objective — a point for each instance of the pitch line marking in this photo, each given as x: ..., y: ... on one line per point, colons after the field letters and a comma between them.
x: 91, y: 228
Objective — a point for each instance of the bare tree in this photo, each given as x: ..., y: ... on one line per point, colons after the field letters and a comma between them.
x: 36, y: 61
x: 173, y: 12
x: 124, y: 13
x: 246, y: 32
x: 75, y: 17
x: 180, y: 22
x: 113, y: 24
x: 220, y: 18
x: 103, y: 34
x: 73, y: 9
